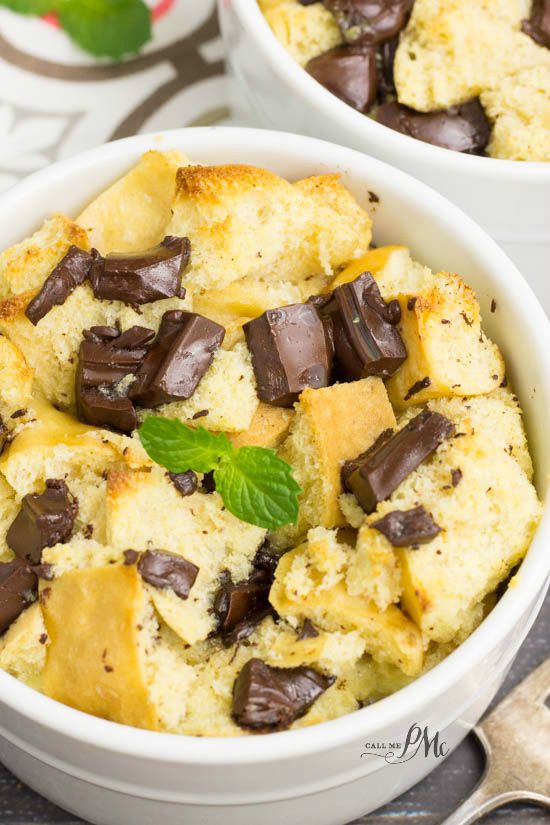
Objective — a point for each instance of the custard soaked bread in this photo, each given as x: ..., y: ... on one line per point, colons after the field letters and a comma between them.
x: 467, y: 75
x: 254, y: 474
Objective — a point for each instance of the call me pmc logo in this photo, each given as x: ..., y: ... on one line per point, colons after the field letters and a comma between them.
x: 417, y: 742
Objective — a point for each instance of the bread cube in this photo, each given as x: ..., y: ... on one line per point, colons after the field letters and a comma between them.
x: 520, y: 110
x: 451, y: 51
x: 374, y: 570
x: 304, y: 31
x: 448, y: 354
x: 245, y: 222
x: 23, y: 647
x: 331, y: 425
x: 302, y: 591
x: 105, y: 655
x: 16, y: 379
x: 144, y: 510
x: 132, y: 214
x: 380, y: 261
x: 268, y: 428
x: 26, y: 265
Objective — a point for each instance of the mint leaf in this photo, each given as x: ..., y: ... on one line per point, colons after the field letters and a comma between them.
x: 180, y: 448
x: 37, y: 7
x: 106, y: 28
x: 257, y: 486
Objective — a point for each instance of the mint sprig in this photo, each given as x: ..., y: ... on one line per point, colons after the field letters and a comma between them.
x: 105, y: 28
x: 255, y: 484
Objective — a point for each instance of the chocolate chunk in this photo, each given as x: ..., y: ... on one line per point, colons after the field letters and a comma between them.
x: 418, y: 386
x: 374, y: 477
x: 385, y: 62
x: 18, y: 589
x: 456, y: 477
x: 538, y: 25
x: 291, y: 350
x: 266, y: 560
x: 180, y: 355
x: 349, y: 72
x: 208, y: 484
x: 308, y: 631
x: 463, y: 128
x: 271, y: 698
x: 185, y: 483
x: 370, y: 21
x: 4, y: 436
x: 105, y: 358
x: 71, y: 271
x: 142, y: 277
x: 45, y: 519
x: 405, y: 527
x: 365, y: 342
x: 130, y: 557
x: 168, y: 572
x: 247, y: 625
x: 245, y: 602
x: 393, y: 312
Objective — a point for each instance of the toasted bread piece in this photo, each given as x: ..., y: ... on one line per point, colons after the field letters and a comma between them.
x: 23, y: 647
x: 452, y: 51
x: 302, y: 590
x: 520, y: 110
x: 268, y: 428
x: 105, y: 655
x: 26, y: 265
x: 245, y: 222
x: 16, y: 379
x: 133, y: 213
x: 331, y: 425
x: 226, y: 393
x: 374, y: 570
x: 447, y: 352
x: 304, y: 31
x: 145, y: 510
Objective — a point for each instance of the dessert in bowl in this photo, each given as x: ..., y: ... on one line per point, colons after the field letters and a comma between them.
x: 371, y: 480
x: 468, y: 77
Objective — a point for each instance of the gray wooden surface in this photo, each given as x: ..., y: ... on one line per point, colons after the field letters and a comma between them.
x: 426, y: 804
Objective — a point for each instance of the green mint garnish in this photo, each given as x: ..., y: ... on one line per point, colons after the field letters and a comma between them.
x: 105, y: 28
x: 255, y: 484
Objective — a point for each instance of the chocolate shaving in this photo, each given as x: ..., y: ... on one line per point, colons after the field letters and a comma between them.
x: 404, y: 528
x: 308, y: 631
x: 417, y: 387
x: 71, y: 271
x: 269, y: 698
x: 44, y: 520
x: 456, y: 476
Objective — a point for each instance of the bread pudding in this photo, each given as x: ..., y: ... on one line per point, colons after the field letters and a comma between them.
x: 256, y: 472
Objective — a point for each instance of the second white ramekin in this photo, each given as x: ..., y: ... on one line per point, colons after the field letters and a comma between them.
x: 510, y: 199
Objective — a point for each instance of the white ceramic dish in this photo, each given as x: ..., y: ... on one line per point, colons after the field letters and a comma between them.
x: 114, y: 775
x: 511, y: 200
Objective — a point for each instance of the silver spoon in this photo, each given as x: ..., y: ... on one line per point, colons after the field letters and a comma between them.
x: 516, y: 739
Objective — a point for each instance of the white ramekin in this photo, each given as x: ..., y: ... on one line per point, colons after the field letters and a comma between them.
x: 511, y: 200
x: 114, y: 775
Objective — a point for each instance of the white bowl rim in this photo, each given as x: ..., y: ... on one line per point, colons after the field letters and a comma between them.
x: 535, y: 569
x: 375, y: 134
